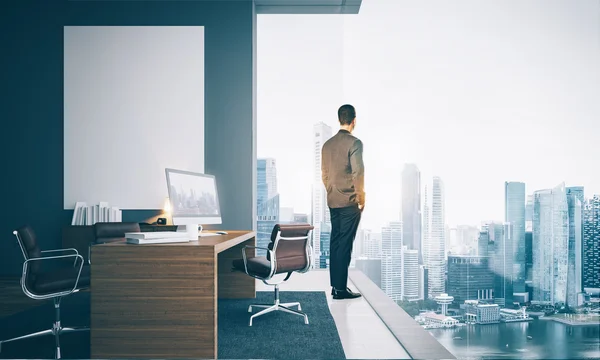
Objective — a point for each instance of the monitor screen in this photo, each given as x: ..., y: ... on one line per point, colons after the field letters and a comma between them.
x: 193, y: 197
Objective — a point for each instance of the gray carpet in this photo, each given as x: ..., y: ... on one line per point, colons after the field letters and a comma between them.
x: 279, y: 335
x: 272, y: 336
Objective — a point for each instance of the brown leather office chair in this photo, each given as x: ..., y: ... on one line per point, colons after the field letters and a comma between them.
x: 289, y: 251
x: 108, y: 232
x: 54, y: 284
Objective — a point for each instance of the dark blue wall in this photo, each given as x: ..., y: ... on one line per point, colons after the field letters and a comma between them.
x: 31, y: 48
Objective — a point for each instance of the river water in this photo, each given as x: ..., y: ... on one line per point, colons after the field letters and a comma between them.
x: 550, y: 340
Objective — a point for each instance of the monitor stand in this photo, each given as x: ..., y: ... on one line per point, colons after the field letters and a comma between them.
x: 193, y: 230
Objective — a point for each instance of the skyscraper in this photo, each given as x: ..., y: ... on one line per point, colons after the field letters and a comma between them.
x: 268, y: 217
x: 575, y: 209
x: 466, y: 240
x: 320, y: 211
x: 502, y: 263
x: 300, y: 218
x: 451, y: 245
x: 357, y: 247
x: 495, y: 243
x: 529, y: 213
x: 426, y: 238
x: 514, y: 213
x: 391, y: 260
x: 578, y: 192
x: 423, y: 283
x: 483, y: 242
x: 411, y: 209
x: 325, y: 239
x: 529, y: 262
x: 268, y: 202
x: 591, y: 245
x: 266, y: 179
x: 550, y: 245
x: 469, y: 278
x: 410, y: 274
x: 436, y: 252
x: 371, y: 246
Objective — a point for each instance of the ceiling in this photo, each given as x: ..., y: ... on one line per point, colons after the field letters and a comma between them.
x: 307, y: 6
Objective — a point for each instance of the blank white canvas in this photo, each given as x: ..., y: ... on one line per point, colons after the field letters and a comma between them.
x: 133, y: 106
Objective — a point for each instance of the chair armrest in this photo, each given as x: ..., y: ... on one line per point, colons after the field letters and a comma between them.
x: 63, y: 293
x: 255, y: 247
x: 62, y: 250
x: 59, y: 250
x: 271, y: 258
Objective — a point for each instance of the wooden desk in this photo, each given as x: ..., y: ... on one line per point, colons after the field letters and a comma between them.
x: 160, y: 300
x: 81, y: 236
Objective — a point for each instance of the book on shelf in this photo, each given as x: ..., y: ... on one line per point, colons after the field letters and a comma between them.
x: 85, y: 214
x: 78, y: 213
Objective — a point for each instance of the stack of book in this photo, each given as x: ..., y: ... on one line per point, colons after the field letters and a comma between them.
x: 89, y: 215
x: 156, y: 237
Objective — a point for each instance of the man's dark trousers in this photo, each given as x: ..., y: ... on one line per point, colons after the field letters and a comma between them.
x: 344, y: 224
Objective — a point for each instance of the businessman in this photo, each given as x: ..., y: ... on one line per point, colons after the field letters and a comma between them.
x: 343, y: 176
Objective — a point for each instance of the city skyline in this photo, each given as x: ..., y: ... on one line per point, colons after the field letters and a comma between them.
x: 446, y: 161
x: 424, y: 203
x: 478, y: 124
x: 557, y: 215
x: 476, y: 108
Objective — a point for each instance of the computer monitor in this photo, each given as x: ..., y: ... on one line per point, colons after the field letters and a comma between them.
x: 194, y: 200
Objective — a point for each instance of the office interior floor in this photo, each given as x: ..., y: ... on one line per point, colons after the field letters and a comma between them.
x: 362, y: 333
x: 12, y: 298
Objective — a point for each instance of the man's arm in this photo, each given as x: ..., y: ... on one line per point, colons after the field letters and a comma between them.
x: 358, y: 171
x: 324, y: 168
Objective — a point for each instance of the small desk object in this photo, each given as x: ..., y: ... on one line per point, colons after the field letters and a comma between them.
x: 80, y: 237
x: 160, y: 300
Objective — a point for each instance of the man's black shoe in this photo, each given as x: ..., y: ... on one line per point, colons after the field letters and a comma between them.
x: 344, y: 294
x: 348, y: 289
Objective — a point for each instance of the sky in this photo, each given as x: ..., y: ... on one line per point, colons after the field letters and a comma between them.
x: 476, y: 92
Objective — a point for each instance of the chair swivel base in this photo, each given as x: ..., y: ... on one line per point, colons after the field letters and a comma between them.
x: 56, y: 330
x: 286, y: 307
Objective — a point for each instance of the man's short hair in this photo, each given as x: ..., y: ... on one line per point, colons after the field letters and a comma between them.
x: 346, y: 114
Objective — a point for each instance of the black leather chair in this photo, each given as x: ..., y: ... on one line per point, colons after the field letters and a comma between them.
x: 108, y: 232
x: 289, y: 251
x: 41, y: 284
